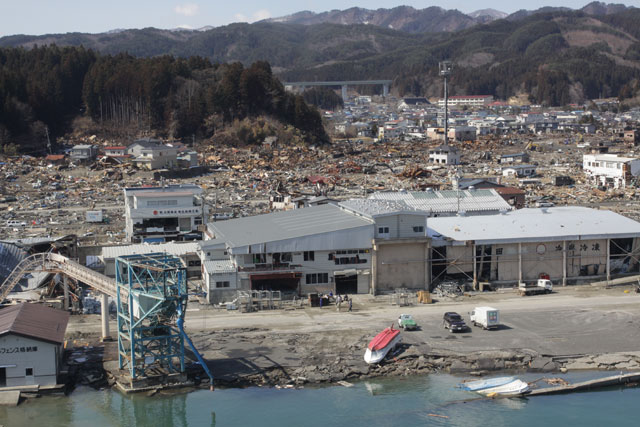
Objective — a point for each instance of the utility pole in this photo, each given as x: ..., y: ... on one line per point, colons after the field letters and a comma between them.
x: 46, y: 131
x: 445, y: 71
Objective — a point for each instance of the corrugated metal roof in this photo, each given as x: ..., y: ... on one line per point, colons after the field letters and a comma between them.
x: 172, y: 248
x: 291, y: 224
x: 219, y: 267
x: 448, y: 200
x: 35, y: 321
x: 535, y: 225
x: 211, y: 244
x: 375, y: 208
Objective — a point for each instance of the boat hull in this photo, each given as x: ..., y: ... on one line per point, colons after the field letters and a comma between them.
x: 514, y: 388
x: 486, y: 383
x: 376, y: 356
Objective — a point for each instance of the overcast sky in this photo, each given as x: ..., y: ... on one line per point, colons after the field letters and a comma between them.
x: 90, y: 16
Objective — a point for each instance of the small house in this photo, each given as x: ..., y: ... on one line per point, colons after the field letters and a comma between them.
x: 84, y: 153
x: 519, y: 170
x: 31, y: 337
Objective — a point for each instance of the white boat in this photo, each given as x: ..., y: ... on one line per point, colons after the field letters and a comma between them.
x: 514, y: 388
x: 485, y: 383
x: 381, y: 345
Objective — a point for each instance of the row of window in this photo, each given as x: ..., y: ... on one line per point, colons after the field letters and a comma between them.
x: 317, y: 278
x: 610, y: 165
x: 416, y: 229
x: 307, y: 255
x: 155, y: 203
x: 223, y: 284
x: 350, y: 260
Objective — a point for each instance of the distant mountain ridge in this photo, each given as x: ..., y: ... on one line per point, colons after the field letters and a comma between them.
x: 556, y: 54
x: 403, y: 18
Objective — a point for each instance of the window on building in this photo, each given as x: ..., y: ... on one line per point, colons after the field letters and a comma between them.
x: 28, y: 372
x: 309, y: 256
x: 317, y: 278
x: 222, y: 284
x: 259, y: 258
x: 418, y: 229
x: 499, y: 251
x: 286, y: 257
x: 383, y: 230
x: 194, y: 263
x: 350, y: 260
x: 155, y: 203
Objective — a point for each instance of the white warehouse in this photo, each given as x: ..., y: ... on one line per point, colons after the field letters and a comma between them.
x: 317, y: 249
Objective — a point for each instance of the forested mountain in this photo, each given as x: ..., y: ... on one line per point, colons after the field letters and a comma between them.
x: 49, y: 87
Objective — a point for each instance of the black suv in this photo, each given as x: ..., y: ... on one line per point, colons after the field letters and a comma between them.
x: 453, y: 322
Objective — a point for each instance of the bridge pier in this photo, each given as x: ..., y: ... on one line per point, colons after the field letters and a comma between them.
x: 104, y: 310
x: 385, y: 90
x: 345, y: 97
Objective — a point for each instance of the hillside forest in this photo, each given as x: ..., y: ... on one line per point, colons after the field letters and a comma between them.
x: 44, y: 89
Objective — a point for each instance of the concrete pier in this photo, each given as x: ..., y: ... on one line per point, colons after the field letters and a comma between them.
x: 104, y: 310
x: 588, y: 385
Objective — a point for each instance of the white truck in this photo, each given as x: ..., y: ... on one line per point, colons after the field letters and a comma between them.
x: 542, y: 286
x: 487, y: 317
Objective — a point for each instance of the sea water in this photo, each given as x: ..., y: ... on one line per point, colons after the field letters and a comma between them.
x: 408, y: 401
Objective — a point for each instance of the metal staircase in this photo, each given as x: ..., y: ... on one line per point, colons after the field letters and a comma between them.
x: 56, y: 263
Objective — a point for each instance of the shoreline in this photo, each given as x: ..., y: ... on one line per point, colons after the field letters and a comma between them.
x: 281, y: 348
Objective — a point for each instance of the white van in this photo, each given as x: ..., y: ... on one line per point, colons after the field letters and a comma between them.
x: 487, y: 317
x: 16, y: 223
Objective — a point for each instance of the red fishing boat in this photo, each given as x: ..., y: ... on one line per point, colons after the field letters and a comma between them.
x: 380, y: 346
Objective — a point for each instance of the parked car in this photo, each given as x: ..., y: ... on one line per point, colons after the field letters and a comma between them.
x: 453, y: 322
x: 406, y: 322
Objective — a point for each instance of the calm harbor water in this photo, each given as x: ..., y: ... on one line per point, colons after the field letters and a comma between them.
x: 384, y: 402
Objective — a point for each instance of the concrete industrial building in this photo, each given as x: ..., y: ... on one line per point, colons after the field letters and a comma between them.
x: 31, y: 337
x: 400, y: 248
x: 159, y: 214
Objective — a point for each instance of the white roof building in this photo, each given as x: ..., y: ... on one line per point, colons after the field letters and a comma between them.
x: 610, y: 170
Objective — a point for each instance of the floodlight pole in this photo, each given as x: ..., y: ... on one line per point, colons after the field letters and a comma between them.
x: 445, y: 70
